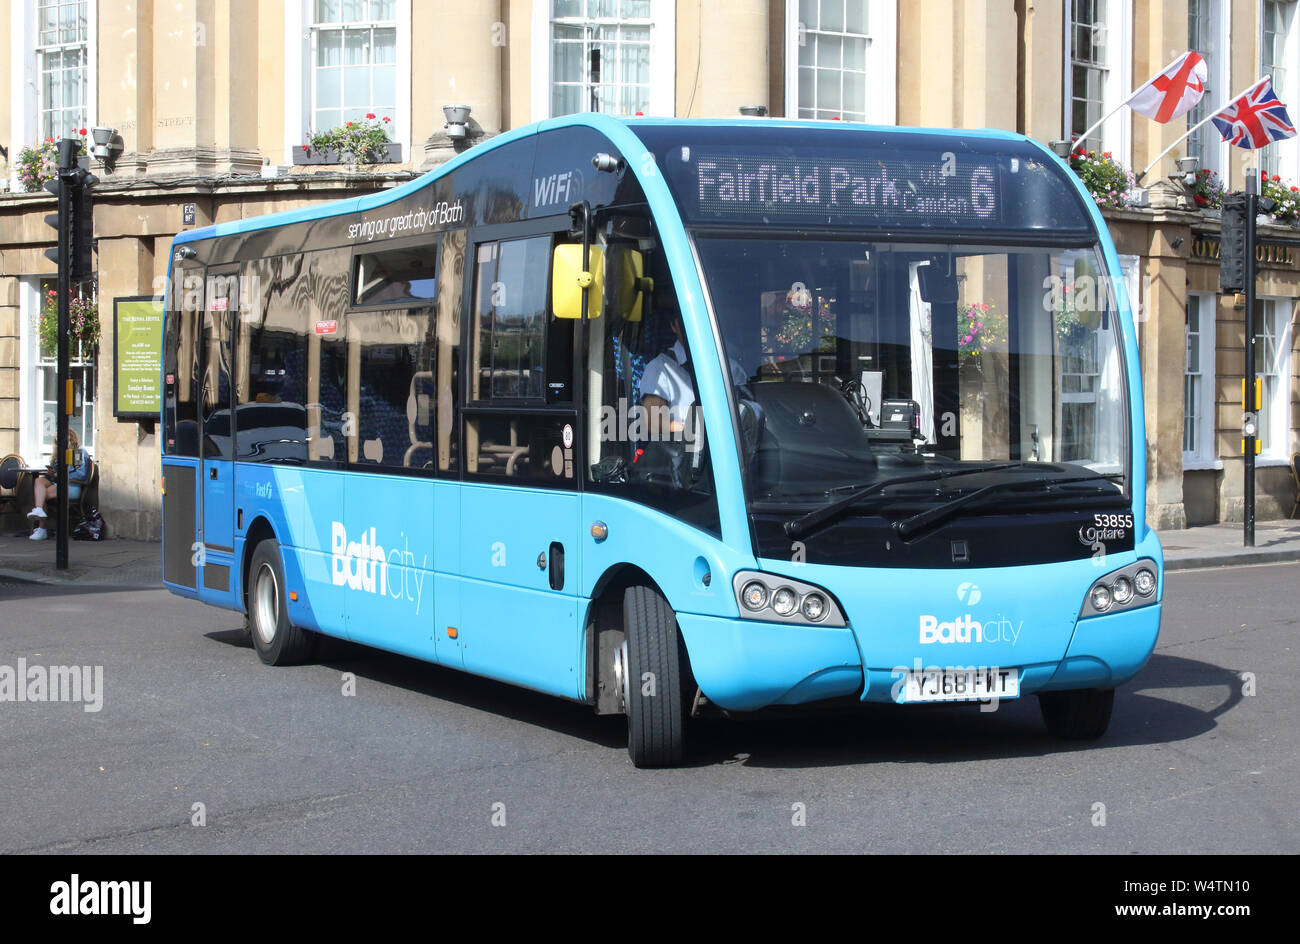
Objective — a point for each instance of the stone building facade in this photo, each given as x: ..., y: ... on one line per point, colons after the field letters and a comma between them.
x: 214, y: 101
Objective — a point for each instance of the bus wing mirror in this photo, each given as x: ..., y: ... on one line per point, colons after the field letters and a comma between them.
x: 569, y: 280
x: 630, y: 282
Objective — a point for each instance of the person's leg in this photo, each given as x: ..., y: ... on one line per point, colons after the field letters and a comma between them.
x: 42, y: 491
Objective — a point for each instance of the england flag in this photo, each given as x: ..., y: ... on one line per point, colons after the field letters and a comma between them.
x: 1174, y: 91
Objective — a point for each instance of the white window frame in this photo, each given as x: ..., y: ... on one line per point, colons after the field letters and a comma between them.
x: 34, y: 444
x: 882, y: 61
x: 1277, y: 312
x: 1283, y: 157
x: 1215, y: 151
x: 25, y: 78
x: 299, y: 76
x: 1129, y: 269
x: 663, y: 59
x: 1205, y: 456
x: 1115, y: 131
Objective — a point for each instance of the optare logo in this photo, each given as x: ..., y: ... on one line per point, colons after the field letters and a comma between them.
x: 969, y: 593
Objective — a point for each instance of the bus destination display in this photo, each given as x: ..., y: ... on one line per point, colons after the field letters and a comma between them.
x: 903, y: 187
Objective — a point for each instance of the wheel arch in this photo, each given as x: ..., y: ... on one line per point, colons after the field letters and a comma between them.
x: 605, y: 615
x: 259, y: 529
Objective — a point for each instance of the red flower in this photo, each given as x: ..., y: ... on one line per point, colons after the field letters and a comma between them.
x: 386, y: 118
x: 349, y: 124
x: 1105, y: 153
x: 49, y: 140
x: 1276, y: 177
x: 370, y: 116
x: 1079, y: 153
x: 304, y: 149
x: 82, y: 131
x: 1201, y: 200
x: 1295, y: 189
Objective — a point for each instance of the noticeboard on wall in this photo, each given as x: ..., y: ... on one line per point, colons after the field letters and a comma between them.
x: 137, y: 357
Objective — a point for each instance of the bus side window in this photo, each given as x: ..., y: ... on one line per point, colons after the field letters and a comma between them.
x: 521, y: 361
x: 446, y: 356
x: 181, y: 383
x: 393, y: 384
x: 271, y: 369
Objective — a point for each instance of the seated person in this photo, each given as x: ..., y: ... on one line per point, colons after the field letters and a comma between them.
x: 47, y: 485
x: 667, y: 388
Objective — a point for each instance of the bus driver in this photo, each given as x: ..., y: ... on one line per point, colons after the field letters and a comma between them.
x: 667, y: 390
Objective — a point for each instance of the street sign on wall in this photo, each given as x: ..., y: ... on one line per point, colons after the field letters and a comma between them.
x: 137, y: 357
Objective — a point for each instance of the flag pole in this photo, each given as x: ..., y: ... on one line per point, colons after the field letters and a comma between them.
x: 1146, y: 170
x: 1106, y: 117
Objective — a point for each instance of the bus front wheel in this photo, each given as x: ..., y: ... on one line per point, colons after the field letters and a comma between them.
x: 1083, y: 714
x: 277, y: 641
x: 655, y: 680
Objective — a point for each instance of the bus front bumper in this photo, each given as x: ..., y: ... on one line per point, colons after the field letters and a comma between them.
x: 744, y: 665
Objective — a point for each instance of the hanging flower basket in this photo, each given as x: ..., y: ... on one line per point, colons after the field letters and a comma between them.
x: 83, y: 323
x: 40, y: 162
x: 1106, y: 179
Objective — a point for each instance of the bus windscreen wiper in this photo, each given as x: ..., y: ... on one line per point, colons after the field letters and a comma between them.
x: 798, y: 527
x: 910, y: 527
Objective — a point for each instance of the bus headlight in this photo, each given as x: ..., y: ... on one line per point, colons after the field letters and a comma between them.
x: 754, y: 596
x: 784, y: 601
x: 1123, y: 589
x: 813, y: 607
x: 779, y: 599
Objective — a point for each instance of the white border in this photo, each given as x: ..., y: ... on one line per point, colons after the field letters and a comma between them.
x: 1288, y: 151
x: 1208, y: 452
x: 1282, y: 310
x: 298, y: 63
x: 663, y: 60
x: 1116, y: 132
x: 882, y: 61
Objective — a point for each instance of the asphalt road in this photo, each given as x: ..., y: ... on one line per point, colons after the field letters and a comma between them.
x: 423, y: 759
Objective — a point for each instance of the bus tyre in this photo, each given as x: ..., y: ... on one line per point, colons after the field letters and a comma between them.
x: 277, y: 641
x: 1078, y: 715
x: 656, y: 680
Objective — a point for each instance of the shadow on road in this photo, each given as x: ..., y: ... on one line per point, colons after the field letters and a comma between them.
x: 461, y: 688
x: 1148, y: 710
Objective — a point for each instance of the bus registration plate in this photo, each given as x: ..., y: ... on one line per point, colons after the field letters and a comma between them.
x: 960, y: 684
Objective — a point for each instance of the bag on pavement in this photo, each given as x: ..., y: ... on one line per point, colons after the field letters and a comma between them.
x: 89, y: 528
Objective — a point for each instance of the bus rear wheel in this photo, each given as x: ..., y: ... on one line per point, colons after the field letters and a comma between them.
x: 655, y: 680
x: 277, y: 641
x: 1081, y: 715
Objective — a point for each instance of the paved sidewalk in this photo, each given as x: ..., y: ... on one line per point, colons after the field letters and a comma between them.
x: 1220, y: 545
x: 136, y: 564
x: 111, y: 563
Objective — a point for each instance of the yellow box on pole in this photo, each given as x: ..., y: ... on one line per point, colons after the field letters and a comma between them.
x: 67, y: 397
x: 1259, y: 394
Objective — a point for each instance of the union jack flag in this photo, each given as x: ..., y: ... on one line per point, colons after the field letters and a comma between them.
x: 1255, y: 119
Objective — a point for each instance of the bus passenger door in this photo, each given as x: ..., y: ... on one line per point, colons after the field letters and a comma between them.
x: 216, y: 434
x: 519, y: 502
